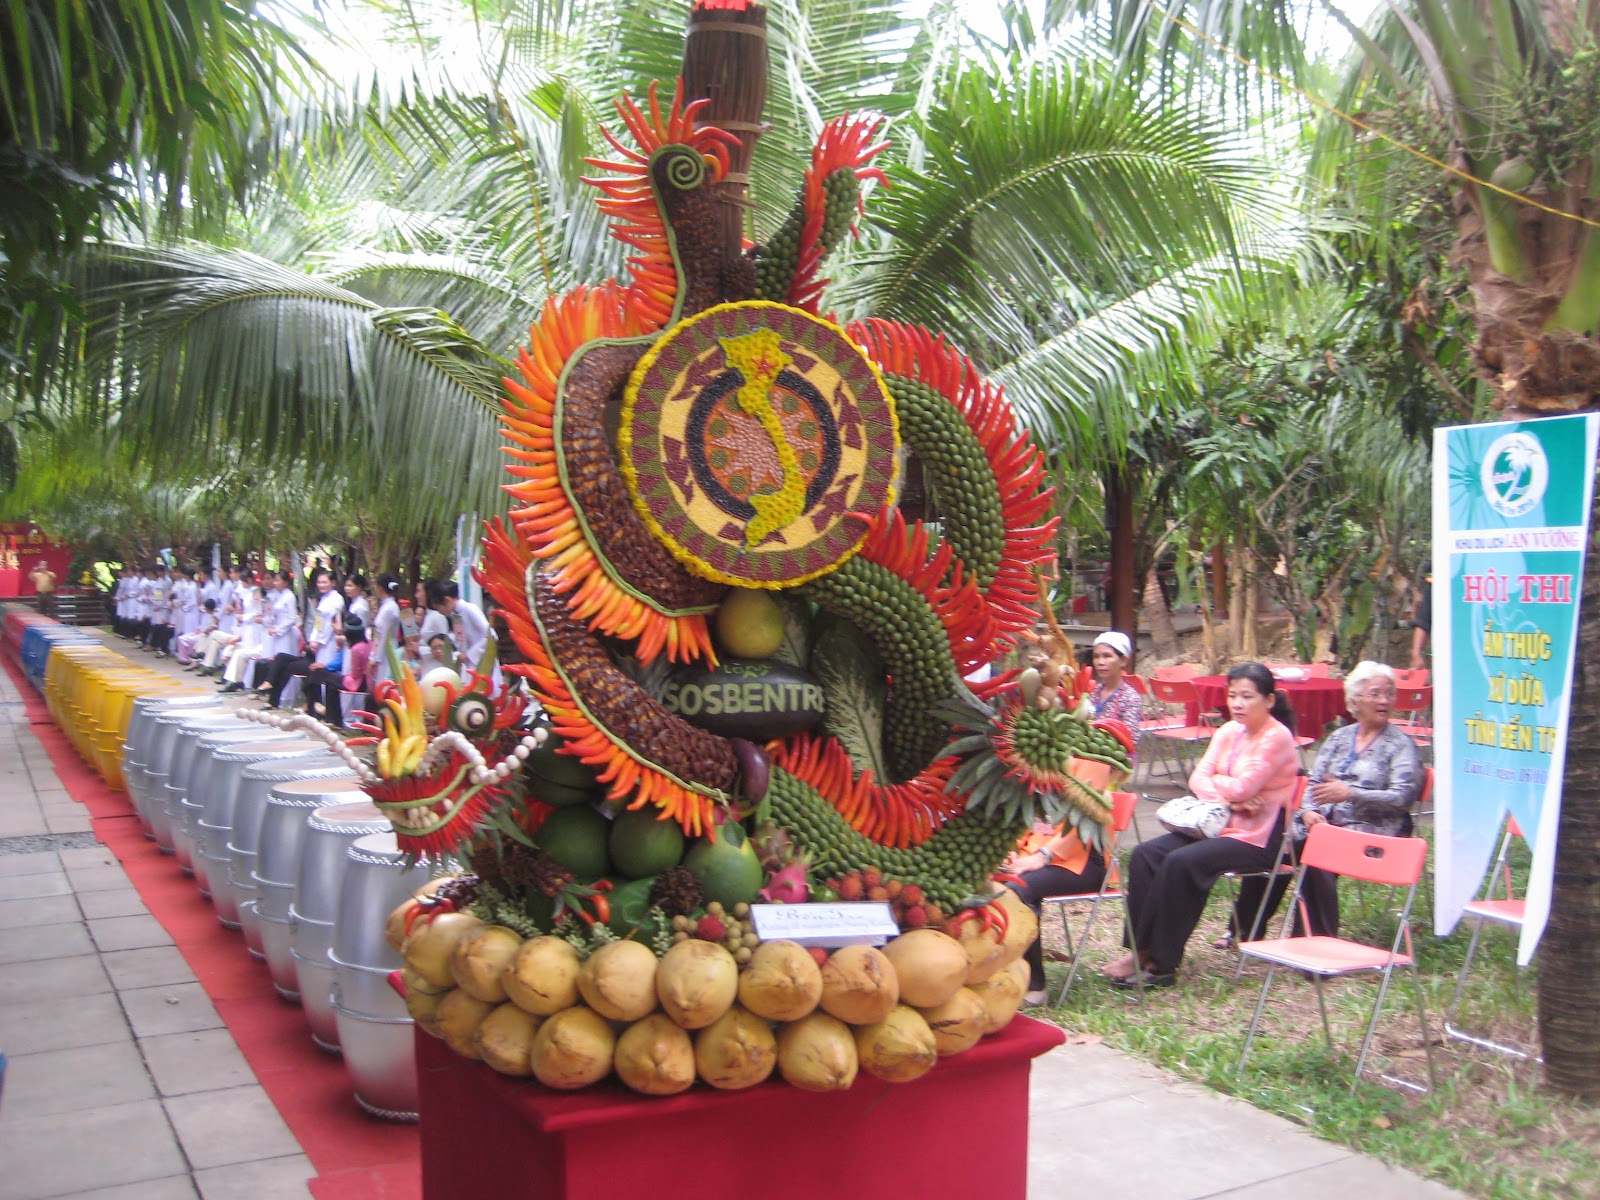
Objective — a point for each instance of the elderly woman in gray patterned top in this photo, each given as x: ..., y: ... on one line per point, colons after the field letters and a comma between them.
x: 1366, y: 777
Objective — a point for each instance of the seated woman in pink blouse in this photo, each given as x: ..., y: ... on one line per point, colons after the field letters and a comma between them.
x: 1251, y: 767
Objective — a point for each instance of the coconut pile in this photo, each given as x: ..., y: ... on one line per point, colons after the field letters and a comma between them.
x: 569, y: 1015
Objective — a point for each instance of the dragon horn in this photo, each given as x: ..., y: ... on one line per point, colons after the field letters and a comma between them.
x: 491, y: 651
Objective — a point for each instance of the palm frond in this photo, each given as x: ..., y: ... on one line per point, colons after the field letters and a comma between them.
x: 204, y: 353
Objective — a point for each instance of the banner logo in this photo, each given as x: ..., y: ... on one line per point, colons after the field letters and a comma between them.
x: 1515, y: 474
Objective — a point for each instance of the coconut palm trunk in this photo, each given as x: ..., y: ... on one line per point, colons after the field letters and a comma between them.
x: 1535, y: 280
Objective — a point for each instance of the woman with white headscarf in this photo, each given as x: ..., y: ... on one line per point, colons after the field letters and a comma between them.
x: 1112, y: 696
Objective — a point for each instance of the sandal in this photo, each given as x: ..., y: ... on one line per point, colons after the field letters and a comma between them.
x: 1147, y: 979
x: 1123, y: 968
x: 1225, y: 942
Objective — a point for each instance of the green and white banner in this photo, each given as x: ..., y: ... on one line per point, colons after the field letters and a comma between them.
x: 1510, y: 527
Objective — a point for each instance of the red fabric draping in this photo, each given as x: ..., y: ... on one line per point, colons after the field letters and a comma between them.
x: 356, y: 1157
x: 1315, y: 701
x: 960, y: 1130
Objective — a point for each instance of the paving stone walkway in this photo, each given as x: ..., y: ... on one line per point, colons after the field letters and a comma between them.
x: 123, y: 1083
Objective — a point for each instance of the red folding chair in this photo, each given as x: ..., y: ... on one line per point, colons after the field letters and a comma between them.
x: 1393, y: 861
x: 1177, y: 671
x: 1177, y: 738
x: 1508, y: 910
x: 1124, y: 808
x: 1283, y: 864
x: 1418, y: 703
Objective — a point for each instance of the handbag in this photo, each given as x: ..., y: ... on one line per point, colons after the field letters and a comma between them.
x: 1192, y: 817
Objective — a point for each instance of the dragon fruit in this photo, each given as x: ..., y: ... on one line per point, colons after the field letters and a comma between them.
x: 788, y: 885
x: 774, y: 847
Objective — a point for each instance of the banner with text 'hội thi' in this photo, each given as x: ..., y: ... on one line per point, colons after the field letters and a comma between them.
x: 1511, y: 524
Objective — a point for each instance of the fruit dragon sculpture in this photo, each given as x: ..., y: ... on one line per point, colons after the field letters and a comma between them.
x: 758, y: 445
x: 751, y: 664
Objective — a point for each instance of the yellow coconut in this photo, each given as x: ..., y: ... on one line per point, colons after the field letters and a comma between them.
x: 898, y: 1048
x: 958, y: 1023
x: 931, y: 966
x: 818, y: 1053
x: 458, y: 1016
x: 618, y: 981
x: 573, y: 1049
x: 394, y: 931
x: 427, y: 951
x: 543, y: 977
x: 655, y: 1056
x: 737, y: 1050
x: 696, y: 982
x: 985, y: 954
x: 859, y: 985
x: 505, y: 1040
x: 1002, y: 995
x: 479, y: 961
x: 423, y: 1005
x: 1022, y: 929
x: 782, y: 982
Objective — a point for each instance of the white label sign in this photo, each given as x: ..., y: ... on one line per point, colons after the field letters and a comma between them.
x: 864, y: 923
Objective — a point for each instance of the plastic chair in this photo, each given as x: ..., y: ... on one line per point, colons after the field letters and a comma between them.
x: 1283, y: 864
x: 1417, y: 701
x: 1138, y: 684
x: 1124, y: 812
x: 1420, y: 807
x: 1508, y: 910
x: 1178, y: 737
x: 1177, y: 671
x: 1421, y: 677
x: 1392, y: 861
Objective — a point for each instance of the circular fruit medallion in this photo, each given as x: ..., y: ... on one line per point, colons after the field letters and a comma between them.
x: 749, y: 432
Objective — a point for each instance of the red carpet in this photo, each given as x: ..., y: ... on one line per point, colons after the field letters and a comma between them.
x: 355, y: 1156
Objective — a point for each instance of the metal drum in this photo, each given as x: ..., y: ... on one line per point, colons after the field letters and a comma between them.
x: 214, y: 823
x: 136, y: 746
x: 329, y: 834
x: 374, y: 1028
x: 283, y: 832
x: 249, y: 807
x: 171, y: 726
x: 191, y: 763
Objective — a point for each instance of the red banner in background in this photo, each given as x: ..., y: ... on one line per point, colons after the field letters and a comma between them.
x: 23, y: 545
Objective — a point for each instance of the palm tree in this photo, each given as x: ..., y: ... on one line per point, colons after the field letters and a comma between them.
x: 404, y: 263
x: 1507, y: 94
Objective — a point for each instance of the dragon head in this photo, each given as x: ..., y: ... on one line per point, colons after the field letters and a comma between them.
x: 441, y: 772
x: 445, y: 761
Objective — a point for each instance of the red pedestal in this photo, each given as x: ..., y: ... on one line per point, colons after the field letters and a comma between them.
x: 960, y: 1130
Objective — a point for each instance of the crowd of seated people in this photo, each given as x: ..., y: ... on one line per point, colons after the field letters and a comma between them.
x: 247, y: 628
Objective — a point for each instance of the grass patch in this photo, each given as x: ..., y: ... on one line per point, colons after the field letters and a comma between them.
x: 1488, y: 1131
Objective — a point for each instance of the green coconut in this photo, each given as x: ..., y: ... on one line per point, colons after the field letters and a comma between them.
x: 560, y: 795
x: 643, y: 846
x: 576, y: 838
x: 726, y: 866
x: 547, y: 764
